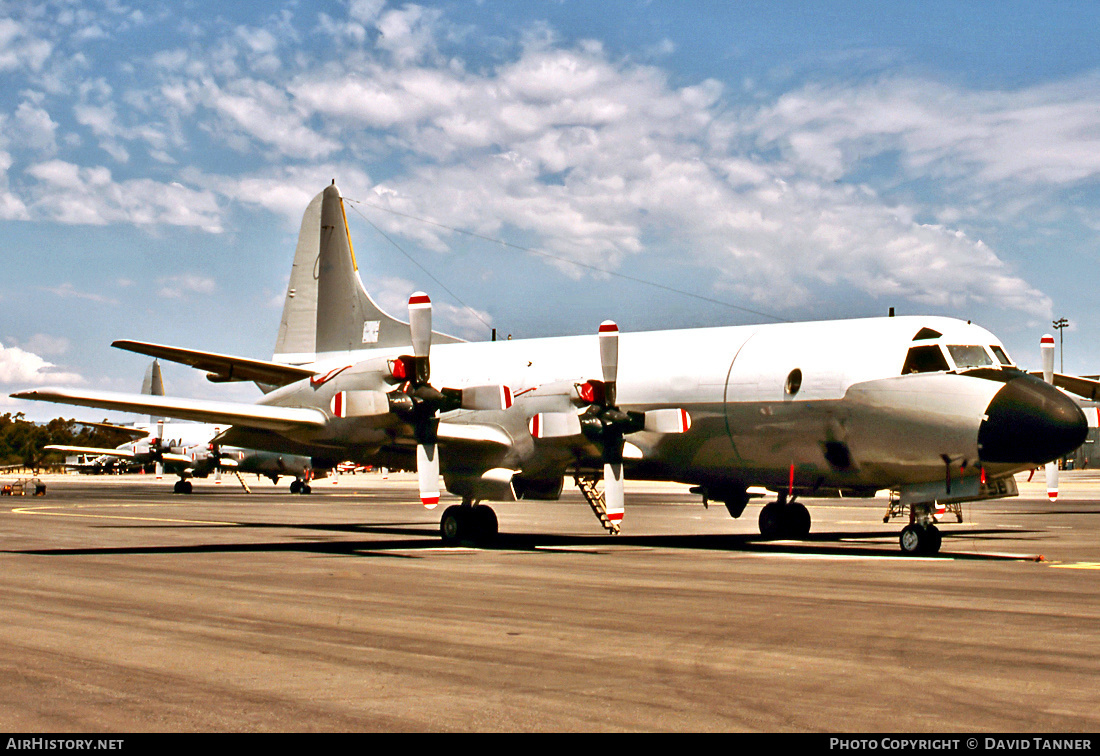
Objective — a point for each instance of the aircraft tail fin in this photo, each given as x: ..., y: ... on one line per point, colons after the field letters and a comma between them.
x: 153, y: 384
x: 327, y: 308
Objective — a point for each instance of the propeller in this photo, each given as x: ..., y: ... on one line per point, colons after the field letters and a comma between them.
x: 419, y: 403
x: 1046, y: 350
x: 604, y: 424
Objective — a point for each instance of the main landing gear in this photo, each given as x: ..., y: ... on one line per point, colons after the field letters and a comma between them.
x: 182, y: 487
x: 468, y: 522
x: 783, y: 519
x: 921, y: 537
x: 300, y: 487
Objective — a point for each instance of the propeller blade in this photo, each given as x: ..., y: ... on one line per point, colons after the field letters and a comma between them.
x: 609, y: 358
x: 613, y: 493
x: 554, y: 425
x: 668, y: 421
x: 496, y: 397
x: 420, y: 323
x: 427, y: 473
x: 1046, y: 350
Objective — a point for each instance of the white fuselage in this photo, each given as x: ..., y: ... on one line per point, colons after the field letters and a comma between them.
x: 827, y: 398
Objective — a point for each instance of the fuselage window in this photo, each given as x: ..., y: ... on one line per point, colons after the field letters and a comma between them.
x: 966, y: 356
x: 924, y: 359
x: 1001, y: 356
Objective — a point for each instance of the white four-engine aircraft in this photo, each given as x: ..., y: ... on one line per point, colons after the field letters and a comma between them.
x: 931, y: 408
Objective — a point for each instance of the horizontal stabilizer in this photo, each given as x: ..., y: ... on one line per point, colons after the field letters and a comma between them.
x: 260, y: 416
x: 221, y: 368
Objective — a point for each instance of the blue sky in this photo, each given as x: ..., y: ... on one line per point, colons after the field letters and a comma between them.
x: 776, y: 160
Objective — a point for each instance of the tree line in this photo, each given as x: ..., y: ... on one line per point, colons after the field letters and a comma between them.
x: 22, y: 441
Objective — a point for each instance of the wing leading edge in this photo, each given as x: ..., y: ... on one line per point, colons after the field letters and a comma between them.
x: 261, y: 416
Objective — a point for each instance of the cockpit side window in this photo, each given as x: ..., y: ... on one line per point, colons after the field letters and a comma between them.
x: 967, y: 356
x: 1001, y: 355
x: 924, y: 359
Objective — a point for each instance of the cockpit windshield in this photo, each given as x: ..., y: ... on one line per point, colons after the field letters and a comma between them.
x: 966, y: 356
x: 1001, y: 355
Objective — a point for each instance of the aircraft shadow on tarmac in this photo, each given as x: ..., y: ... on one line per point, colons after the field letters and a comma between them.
x: 417, y: 540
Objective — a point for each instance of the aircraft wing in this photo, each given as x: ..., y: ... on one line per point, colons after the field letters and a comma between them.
x: 230, y: 413
x: 127, y: 430
x: 221, y: 368
x: 1086, y: 388
x: 121, y: 453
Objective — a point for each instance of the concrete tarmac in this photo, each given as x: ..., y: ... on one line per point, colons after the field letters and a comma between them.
x: 127, y: 608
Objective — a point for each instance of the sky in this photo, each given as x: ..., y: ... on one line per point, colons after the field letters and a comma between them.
x: 538, y: 167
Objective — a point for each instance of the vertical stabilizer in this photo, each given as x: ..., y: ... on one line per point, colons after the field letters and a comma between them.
x: 327, y: 309
x: 153, y: 384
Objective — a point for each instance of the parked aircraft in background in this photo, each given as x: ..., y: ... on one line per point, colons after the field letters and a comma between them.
x: 931, y: 408
x: 189, y: 450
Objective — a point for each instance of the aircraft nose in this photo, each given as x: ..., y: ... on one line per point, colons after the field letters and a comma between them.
x: 1030, y: 422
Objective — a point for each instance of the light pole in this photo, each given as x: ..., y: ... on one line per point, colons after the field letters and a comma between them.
x: 1061, y: 323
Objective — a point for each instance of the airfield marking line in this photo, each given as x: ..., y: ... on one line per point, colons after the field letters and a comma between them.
x: 1078, y: 566
x: 42, y: 511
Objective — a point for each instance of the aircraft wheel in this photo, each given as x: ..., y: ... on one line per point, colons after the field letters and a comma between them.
x: 178, y: 487
x: 934, y: 539
x: 916, y: 539
x: 484, y: 521
x: 295, y: 486
x: 797, y: 521
x: 452, y: 525
x: 771, y: 520
x: 305, y: 489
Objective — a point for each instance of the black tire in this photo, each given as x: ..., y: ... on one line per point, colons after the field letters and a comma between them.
x: 484, y: 524
x: 797, y: 521
x: 933, y: 539
x: 453, y: 525
x: 305, y: 489
x: 295, y: 486
x: 771, y: 520
x: 913, y: 539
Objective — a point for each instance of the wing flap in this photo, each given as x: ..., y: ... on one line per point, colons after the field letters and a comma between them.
x: 221, y: 368
x: 262, y: 416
